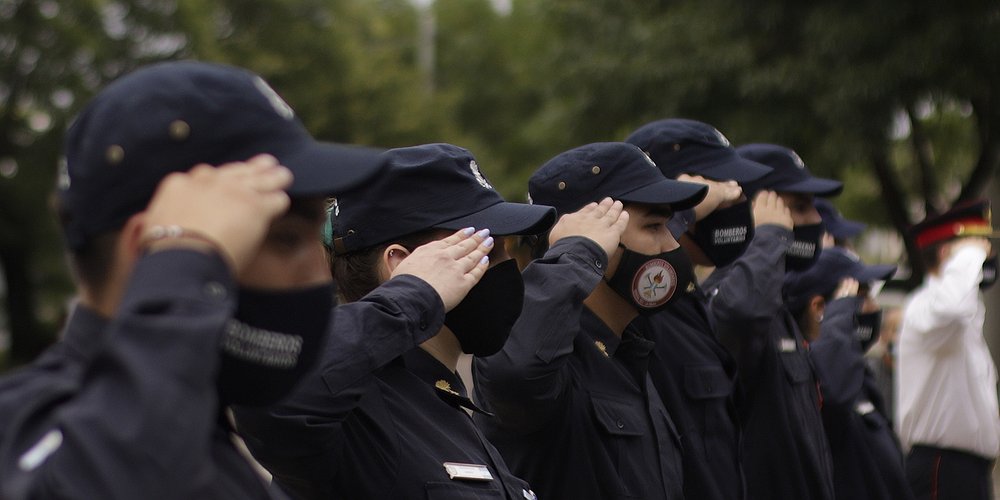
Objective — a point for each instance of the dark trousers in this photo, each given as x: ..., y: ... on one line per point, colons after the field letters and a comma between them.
x: 946, y: 474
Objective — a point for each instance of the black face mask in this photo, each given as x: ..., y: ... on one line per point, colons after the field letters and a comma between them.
x: 989, y: 273
x: 483, y: 319
x: 805, y: 248
x: 867, y: 327
x: 724, y: 234
x: 272, y: 341
x: 651, y: 282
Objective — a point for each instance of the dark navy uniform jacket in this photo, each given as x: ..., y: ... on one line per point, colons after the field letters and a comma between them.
x: 785, y: 453
x: 136, y: 416
x: 386, y: 434
x: 867, y: 461
x: 128, y: 408
x: 696, y: 376
x: 577, y: 414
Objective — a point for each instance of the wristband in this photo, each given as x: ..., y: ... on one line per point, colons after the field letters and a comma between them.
x: 174, y: 232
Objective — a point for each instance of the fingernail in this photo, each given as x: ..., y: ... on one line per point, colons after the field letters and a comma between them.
x: 485, y: 259
x: 468, y: 231
x: 483, y: 233
x: 488, y: 242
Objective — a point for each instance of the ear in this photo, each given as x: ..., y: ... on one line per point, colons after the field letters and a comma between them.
x: 944, y: 251
x: 817, y: 305
x: 131, y: 237
x: 392, y: 256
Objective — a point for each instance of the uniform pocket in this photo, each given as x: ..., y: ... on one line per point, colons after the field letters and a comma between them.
x: 461, y: 491
x: 796, y: 367
x: 618, y: 418
x: 707, y: 382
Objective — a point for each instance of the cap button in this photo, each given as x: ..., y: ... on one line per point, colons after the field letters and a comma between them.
x: 596, y: 170
x: 115, y: 154
x: 562, y: 185
x: 179, y: 130
x: 677, y: 147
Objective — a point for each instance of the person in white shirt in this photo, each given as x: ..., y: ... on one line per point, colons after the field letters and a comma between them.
x: 947, y: 383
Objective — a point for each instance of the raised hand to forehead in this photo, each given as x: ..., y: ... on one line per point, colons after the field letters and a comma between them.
x: 452, y: 266
x: 230, y: 206
x: 602, y: 222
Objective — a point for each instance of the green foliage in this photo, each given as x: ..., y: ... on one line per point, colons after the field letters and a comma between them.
x: 834, y: 80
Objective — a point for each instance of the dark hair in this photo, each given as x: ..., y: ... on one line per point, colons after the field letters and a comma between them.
x: 356, y: 273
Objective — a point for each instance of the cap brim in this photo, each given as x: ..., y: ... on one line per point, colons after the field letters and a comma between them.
x: 813, y: 185
x: 845, y: 228
x: 679, y: 195
x: 878, y: 272
x: 506, y: 218
x: 735, y: 168
x: 324, y: 168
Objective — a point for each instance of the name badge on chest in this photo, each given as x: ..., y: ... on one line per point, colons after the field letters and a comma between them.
x: 786, y: 345
x: 468, y: 472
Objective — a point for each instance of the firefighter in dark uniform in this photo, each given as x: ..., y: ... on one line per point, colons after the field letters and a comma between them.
x: 577, y: 413
x: 696, y: 375
x: 837, y: 315
x: 785, y: 452
x: 404, y: 430
x: 212, y: 291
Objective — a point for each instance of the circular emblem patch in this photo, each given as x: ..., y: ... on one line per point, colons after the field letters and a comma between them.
x: 654, y: 283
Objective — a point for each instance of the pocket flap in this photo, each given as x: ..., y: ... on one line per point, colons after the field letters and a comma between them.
x: 619, y: 418
x: 796, y: 366
x: 707, y: 382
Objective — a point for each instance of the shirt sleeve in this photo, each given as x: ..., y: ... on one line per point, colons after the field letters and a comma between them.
x: 680, y: 222
x: 837, y: 354
x: 745, y: 296
x: 523, y: 384
x: 949, y: 302
x: 368, y: 334
x: 140, y: 423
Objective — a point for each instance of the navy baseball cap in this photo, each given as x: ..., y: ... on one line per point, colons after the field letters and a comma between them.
x: 432, y: 186
x: 834, y: 264
x: 171, y: 116
x: 680, y: 146
x: 618, y: 170
x: 789, y: 174
x: 835, y: 223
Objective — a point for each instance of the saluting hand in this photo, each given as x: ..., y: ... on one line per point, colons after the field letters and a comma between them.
x: 602, y: 222
x: 720, y: 194
x: 451, y: 266
x: 227, y: 208
x: 769, y: 208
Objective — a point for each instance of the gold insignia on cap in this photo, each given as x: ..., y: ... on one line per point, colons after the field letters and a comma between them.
x: 677, y: 147
x: 115, y: 154
x: 445, y: 386
x: 179, y: 130
x: 562, y: 185
x: 603, y: 348
x: 596, y: 170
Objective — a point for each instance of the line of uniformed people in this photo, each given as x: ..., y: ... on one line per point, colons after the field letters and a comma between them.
x: 602, y: 368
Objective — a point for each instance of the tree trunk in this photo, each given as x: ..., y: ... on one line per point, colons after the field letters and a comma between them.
x: 895, y: 204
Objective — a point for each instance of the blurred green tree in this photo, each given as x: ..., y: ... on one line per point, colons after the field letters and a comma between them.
x: 53, y: 55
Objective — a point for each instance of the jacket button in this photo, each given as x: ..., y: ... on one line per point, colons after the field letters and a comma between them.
x: 620, y: 424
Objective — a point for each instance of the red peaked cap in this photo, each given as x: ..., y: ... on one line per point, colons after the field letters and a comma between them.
x: 973, y: 218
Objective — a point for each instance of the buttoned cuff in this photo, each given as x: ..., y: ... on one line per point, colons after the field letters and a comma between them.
x: 417, y: 301
x: 581, y: 249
